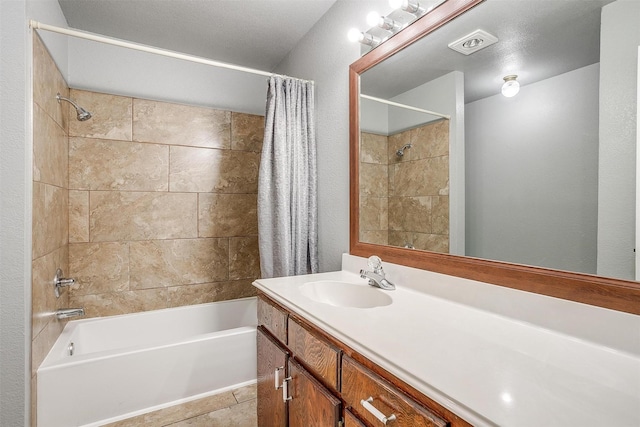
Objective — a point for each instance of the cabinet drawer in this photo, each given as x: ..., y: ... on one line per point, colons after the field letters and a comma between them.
x: 360, y: 384
x: 273, y: 319
x: 319, y: 357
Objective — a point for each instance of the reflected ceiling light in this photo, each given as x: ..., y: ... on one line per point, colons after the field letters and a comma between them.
x: 511, y: 87
x: 411, y: 6
x: 356, y: 35
x: 376, y: 20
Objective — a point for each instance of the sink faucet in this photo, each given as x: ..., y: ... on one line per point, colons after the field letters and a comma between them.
x: 377, y: 277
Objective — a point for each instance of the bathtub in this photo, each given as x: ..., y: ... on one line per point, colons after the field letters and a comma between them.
x: 123, y: 366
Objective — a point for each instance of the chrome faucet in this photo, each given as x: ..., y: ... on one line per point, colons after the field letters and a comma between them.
x: 65, y: 313
x: 59, y: 282
x: 377, y: 277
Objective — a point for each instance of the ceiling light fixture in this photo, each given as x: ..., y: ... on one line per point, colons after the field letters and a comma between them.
x: 376, y: 20
x: 511, y: 87
x: 356, y: 35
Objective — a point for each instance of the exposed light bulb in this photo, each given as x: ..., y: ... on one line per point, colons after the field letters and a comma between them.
x: 396, y: 4
x: 354, y: 35
x: 511, y: 87
x: 373, y: 19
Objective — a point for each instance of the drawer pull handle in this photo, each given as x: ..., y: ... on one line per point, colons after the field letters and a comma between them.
x: 276, y: 375
x: 375, y: 412
x: 285, y: 389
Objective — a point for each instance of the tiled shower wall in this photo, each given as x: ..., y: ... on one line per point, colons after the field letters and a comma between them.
x: 404, y: 201
x: 162, y: 204
x: 50, y: 229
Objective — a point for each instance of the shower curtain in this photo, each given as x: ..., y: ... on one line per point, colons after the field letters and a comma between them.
x: 287, y: 196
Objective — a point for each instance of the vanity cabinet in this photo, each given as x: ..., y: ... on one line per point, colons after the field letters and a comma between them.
x: 324, y: 383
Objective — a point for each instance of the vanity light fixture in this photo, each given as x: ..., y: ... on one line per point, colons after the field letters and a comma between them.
x: 356, y: 35
x: 511, y: 87
x: 410, y: 6
x: 376, y: 20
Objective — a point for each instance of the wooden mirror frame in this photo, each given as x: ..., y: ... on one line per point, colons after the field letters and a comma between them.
x: 615, y: 294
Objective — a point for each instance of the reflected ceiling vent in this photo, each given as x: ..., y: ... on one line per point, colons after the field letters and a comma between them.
x: 473, y: 42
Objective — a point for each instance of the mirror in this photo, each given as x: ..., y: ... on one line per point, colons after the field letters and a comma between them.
x: 533, y: 180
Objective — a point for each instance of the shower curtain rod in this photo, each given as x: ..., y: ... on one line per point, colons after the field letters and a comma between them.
x: 149, y: 49
x: 408, y: 107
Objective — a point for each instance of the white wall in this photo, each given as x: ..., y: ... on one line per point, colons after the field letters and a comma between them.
x: 532, y: 171
x: 15, y: 200
x: 116, y: 70
x: 619, y: 40
x: 324, y: 55
x: 374, y: 117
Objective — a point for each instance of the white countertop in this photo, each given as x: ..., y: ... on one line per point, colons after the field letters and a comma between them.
x: 492, y: 355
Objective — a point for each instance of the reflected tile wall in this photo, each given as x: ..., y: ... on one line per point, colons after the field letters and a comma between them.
x: 50, y: 221
x: 404, y: 201
x: 162, y: 204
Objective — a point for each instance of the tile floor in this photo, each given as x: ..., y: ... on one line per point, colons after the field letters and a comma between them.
x: 236, y: 408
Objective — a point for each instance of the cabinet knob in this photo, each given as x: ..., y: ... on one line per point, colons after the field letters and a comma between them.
x: 375, y: 412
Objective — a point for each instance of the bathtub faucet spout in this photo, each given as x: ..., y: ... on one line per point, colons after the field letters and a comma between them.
x: 65, y: 313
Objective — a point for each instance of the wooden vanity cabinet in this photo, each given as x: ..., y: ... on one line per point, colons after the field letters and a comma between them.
x: 323, y: 376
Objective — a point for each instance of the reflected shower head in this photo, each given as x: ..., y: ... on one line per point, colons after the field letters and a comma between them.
x: 82, y: 114
x: 400, y: 152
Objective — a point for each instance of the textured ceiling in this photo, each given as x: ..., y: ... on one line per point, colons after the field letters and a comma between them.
x: 537, y: 39
x: 252, y: 33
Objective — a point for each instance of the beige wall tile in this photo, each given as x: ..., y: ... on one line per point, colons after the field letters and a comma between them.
x: 431, y: 140
x: 50, y: 218
x: 373, y: 180
x: 440, y: 215
x: 226, y: 215
x: 116, y: 215
x: 427, y: 177
x: 244, y: 258
x: 161, y: 263
x: 396, y: 142
x: 43, y: 299
x: 176, y: 124
x: 50, y: 150
x: 99, y: 267
x: 115, y: 303
x: 209, y: 170
x: 210, y: 292
x: 78, y: 216
x: 410, y: 214
x: 373, y: 213
x: 111, y: 116
x: 373, y: 148
x: 247, y: 132
x: 380, y: 237
x: 42, y: 343
x: 47, y: 82
x: 98, y: 164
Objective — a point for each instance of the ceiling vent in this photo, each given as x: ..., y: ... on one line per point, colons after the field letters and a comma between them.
x: 473, y: 42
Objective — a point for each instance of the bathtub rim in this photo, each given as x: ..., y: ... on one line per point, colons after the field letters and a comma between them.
x: 63, y: 339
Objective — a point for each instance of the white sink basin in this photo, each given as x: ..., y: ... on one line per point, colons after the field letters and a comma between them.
x: 345, y: 294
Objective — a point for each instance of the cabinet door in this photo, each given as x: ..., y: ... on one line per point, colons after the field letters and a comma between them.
x: 350, y: 420
x: 272, y: 409
x: 311, y: 404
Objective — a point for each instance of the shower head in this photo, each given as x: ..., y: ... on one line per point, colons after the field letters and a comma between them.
x: 82, y: 114
x: 400, y: 152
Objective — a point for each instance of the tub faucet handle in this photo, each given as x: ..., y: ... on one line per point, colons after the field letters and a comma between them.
x: 59, y: 282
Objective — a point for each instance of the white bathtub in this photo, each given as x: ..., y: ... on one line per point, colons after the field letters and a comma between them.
x: 124, y: 366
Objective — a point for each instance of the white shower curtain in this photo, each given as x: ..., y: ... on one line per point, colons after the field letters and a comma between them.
x: 287, y: 196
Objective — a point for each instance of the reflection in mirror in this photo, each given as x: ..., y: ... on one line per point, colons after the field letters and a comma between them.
x: 538, y: 179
